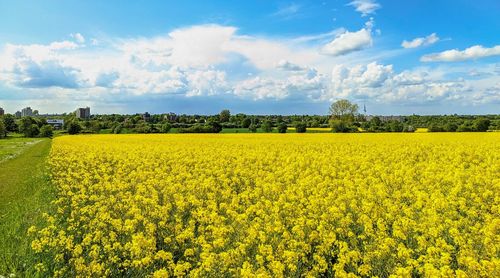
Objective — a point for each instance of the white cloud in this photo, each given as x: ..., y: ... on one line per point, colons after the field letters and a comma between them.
x: 349, y: 42
x: 210, y: 60
x: 455, y: 55
x: 288, y: 11
x: 424, y: 41
x: 78, y: 37
x: 288, y: 66
x: 365, y: 7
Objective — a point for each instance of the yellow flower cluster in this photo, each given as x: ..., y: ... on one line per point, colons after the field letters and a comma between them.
x: 273, y: 205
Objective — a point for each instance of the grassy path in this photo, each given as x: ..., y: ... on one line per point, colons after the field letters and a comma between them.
x: 25, y: 193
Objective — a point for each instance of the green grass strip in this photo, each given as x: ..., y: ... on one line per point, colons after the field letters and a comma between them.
x: 25, y: 193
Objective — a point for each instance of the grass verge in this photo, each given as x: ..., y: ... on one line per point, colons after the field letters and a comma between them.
x: 25, y: 193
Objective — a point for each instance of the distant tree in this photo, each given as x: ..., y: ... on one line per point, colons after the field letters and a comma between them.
x: 3, y: 130
x: 465, y: 127
x: 252, y: 128
x: 375, y: 122
x: 300, y: 127
x: 450, y: 127
x: 282, y: 127
x: 165, y: 128
x: 95, y: 127
x: 339, y: 126
x: 481, y: 124
x: 267, y: 126
x: 10, y: 123
x: 395, y: 126
x: 74, y: 128
x: 32, y: 131
x: 117, y: 129
x: 408, y: 128
x: 26, y: 127
x: 46, y: 131
x: 343, y: 110
x: 224, y: 116
x: 246, y: 122
x: 143, y: 127
x: 215, y: 126
x: 434, y: 127
x: 314, y: 123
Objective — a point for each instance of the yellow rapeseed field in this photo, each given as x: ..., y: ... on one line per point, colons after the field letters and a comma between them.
x: 343, y: 205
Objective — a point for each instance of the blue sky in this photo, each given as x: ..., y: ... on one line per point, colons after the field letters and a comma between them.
x: 262, y: 57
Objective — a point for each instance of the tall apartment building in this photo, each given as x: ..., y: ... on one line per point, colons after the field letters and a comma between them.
x: 2, y: 111
x: 83, y: 113
x: 26, y: 112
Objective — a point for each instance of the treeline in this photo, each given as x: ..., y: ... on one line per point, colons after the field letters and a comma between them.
x: 343, y: 117
x: 28, y: 126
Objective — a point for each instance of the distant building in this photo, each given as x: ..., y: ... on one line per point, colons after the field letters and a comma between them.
x: 26, y: 112
x: 18, y: 114
x: 83, y: 113
x: 56, y: 123
x: 146, y: 117
x: 2, y: 111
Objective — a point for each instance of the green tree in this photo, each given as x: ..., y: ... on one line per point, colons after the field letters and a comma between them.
x: 252, y: 128
x: 282, y: 127
x: 32, y: 131
x: 46, y: 131
x: 300, y: 127
x: 10, y: 123
x: 267, y: 126
x: 481, y: 124
x: 339, y: 126
x: 3, y: 130
x: 224, y: 116
x: 26, y: 127
x: 117, y: 129
x: 74, y: 128
x: 165, y: 128
x: 450, y: 127
x: 343, y: 110
x: 246, y: 122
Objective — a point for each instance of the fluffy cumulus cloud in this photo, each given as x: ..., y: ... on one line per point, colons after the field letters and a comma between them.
x: 455, y: 55
x: 348, y: 42
x: 381, y: 83
x: 423, y: 41
x: 365, y: 7
x: 212, y: 60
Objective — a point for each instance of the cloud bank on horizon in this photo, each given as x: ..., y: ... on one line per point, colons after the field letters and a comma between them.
x: 222, y: 65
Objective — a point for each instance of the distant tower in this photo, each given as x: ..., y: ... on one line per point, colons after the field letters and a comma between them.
x: 364, y: 108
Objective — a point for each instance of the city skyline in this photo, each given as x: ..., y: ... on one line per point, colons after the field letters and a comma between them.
x: 264, y: 57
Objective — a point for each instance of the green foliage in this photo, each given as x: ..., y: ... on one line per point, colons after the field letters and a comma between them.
x: 481, y: 124
x: 435, y: 128
x: 215, y: 126
x: 450, y: 127
x: 267, y: 126
x: 10, y: 123
x: 252, y: 128
x: 343, y: 110
x: 339, y: 126
x: 46, y: 131
x: 246, y: 122
x: 117, y: 129
x: 282, y: 127
x: 165, y: 128
x: 3, y: 130
x: 224, y: 116
x: 74, y: 127
x: 300, y: 127
x: 143, y: 127
x: 95, y: 127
